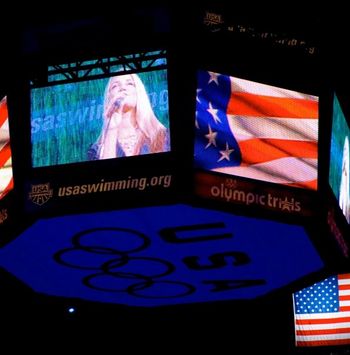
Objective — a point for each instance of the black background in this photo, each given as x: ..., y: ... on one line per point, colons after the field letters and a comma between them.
x: 60, y: 34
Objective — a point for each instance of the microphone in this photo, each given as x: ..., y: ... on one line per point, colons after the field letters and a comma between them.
x: 118, y: 102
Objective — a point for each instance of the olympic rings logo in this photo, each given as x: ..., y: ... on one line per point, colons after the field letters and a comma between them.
x: 138, y: 276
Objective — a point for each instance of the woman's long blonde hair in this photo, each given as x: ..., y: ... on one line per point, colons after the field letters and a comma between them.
x: 154, y: 132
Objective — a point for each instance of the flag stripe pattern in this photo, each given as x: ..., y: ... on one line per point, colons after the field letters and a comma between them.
x: 256, y: 131
x: 322, y: 313
x: 248, y: 127
x: 3, y: 111
x: 6, y: 177
x: 272, y: 149
x: 259, y: 105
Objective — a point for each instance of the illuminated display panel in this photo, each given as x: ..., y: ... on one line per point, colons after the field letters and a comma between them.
x: 123, y: 115
x: 6, y: 175
x: 256, y: 131
x: 321, y: 313
x: 162, y: 255
x: 339, y: 166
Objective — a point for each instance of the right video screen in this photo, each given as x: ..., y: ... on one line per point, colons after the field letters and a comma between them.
x: 253, y: 130
x: 339, y: 166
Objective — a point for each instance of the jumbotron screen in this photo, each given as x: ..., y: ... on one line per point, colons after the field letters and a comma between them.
x: 339, y: 166
x: 257, y: 131
x: 104, y: 118
x: 6, y: 175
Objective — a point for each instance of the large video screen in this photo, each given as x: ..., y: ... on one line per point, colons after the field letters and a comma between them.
x: 321, y: 313
x: 256, y: 131
x: 120, y: 116
x: 6, y: 177
x: 339, y: 166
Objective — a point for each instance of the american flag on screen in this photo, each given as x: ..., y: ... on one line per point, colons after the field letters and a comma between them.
x: 322, y: 313
x: 257, y: 131
x: 6, y: 178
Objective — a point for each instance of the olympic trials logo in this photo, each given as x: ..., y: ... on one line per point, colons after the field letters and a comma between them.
x: 3, y: 215
x: 40, y: 194
x: 213, y: 21
x: 212, y: 18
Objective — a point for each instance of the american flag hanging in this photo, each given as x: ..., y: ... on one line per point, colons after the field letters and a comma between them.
x: 257, y: 131
x: 322, y: 313
x: 6, y: 178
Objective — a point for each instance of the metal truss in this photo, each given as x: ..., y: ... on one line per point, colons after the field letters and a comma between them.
x: 99, y: 68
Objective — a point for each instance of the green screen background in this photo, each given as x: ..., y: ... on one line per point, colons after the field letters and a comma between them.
x: 67, y: 118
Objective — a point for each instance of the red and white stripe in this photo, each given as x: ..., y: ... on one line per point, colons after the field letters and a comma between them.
x: 326, y: 328
x: 277, y: 131
x: 6, y: 177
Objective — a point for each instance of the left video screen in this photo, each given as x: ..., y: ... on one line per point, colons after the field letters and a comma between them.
x: 6, y: 174
x: 123, y: 115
